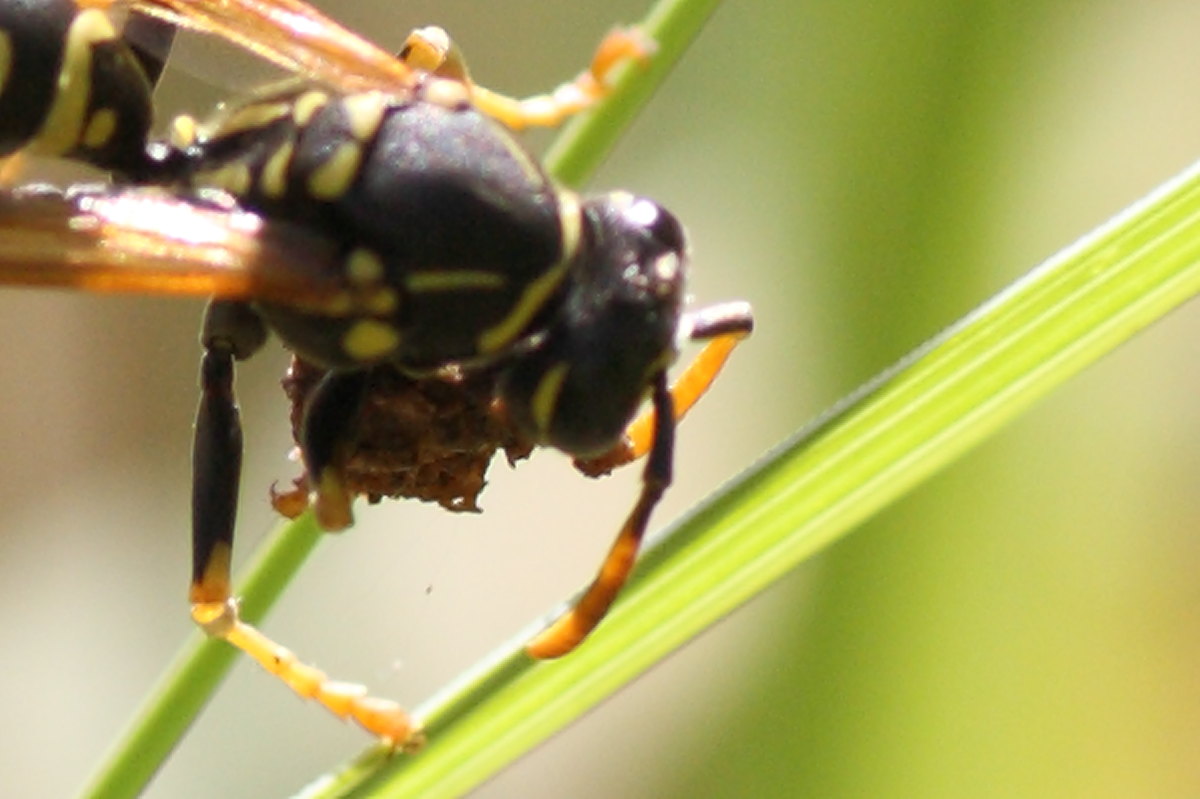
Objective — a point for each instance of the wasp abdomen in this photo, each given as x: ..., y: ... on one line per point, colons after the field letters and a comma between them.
x: 71, y: 86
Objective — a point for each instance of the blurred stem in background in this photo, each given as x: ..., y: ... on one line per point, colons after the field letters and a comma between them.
x: 988, y: 635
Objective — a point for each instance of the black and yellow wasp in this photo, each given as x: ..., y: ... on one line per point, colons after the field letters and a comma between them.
x: 443, y: 297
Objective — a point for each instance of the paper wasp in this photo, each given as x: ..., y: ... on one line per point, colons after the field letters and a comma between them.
x: 443, y: 297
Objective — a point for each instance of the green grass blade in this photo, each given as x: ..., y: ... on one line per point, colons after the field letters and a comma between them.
x: 896, y: 431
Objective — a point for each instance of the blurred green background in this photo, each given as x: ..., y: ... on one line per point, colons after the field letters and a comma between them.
x: 1026, y: 624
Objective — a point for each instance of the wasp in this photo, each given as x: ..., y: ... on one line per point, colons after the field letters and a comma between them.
x: 443, y: 297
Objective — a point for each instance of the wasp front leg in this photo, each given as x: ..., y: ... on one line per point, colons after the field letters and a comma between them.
x: 233, y: 332
x: 653, y: 433
x: 568, y: 630
x: 431, y: 50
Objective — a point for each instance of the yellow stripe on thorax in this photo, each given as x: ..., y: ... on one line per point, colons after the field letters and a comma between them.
x: 538, y: 291
x: 545, y: 396
x: 453, y: 280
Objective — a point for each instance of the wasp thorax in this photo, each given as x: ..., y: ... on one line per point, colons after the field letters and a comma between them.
x: 615, y: 330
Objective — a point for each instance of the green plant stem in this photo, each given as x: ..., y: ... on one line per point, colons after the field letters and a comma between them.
x: 894, y: 432
x: 588, y: 138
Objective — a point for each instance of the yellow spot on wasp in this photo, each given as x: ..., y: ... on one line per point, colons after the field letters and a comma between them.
x: 63, y: 125
x: 307, y: 105
x: 545, y: 396
x: 6, y: 52
x: 273, y: 179
x: 250, y: 117
x: 529, y: 303
x: 233, y: 178
x: 363, y: 266
x: 369, y: 340
x: 453, y: 280
x: 100, y: 128
x: 383, y: 301
x: 334, y: 175
x: 183, y: 131
x: 364, y: 112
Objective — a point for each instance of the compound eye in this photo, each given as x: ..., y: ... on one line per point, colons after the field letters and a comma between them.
x: 660, y: 225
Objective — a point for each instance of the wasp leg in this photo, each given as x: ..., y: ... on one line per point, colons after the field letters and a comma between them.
x: 431, y: 50
x: 232, y: 332
x: 722, y: 327
x: 569, y: 629
x: 326, y: 435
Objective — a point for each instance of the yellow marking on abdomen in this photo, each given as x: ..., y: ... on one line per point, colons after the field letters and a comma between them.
x: 335, y: 174
x: 529, y: 303
x: 63, y: 126
x: 307, y: 105
x: 272, y: 181
x: 453, y: 280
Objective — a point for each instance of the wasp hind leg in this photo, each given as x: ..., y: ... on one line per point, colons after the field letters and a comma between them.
x: 233, y: 332
x: 431, y: 50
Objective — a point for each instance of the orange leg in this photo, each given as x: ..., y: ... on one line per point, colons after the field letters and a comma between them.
x: 232, y: 332
x: 431, y: 50
x: 381, y: 717
x: 569, y: 629
x: 651, y: 432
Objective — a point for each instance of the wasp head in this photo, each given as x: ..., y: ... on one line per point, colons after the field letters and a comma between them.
x: 583, y: 378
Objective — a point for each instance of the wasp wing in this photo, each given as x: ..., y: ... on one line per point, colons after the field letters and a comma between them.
x: 150, y: 241
x: 293, y: 35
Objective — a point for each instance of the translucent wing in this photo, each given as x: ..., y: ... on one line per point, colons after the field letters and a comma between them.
x: 293, y: 35
x: 148, y: 241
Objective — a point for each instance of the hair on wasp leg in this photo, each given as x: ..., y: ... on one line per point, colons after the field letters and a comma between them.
x: 444, y: 298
